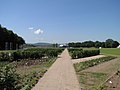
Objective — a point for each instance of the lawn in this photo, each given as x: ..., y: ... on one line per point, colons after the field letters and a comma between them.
x: 110, y: 51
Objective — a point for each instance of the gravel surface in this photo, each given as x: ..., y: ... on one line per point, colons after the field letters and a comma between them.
x: 87, y: 58
x: 60, y: 76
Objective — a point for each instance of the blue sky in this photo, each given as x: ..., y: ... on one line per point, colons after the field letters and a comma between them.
x: 62, y: 20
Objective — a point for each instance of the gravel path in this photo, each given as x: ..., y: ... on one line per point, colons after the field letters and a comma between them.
x: 60, y: 76
x: 87, y: 58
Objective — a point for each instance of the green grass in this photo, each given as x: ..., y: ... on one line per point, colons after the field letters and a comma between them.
x: 91, y: 80
x: 110, y: 51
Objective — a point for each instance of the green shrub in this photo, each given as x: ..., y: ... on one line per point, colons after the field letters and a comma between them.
x: 80, y: 53
x: 9, y: 80
x: 32, y: 53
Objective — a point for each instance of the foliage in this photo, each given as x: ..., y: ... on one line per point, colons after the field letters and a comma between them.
x: 83, y: 65
x: 9, y: 40
x: 109, y: 43
x: 32, y: 53
x: 9, y: 79
x: 80, y: 53
x: 34, y: 73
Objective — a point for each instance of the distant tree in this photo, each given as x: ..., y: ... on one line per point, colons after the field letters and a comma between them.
x: 103, y: 44
x: 98, y: 44
x: 108, y: 43
x: 71, y: 44
x: 55, y: 45
x: 78, y: 44
x: 9, y: 40
x: 89, y: 44
x: 115, y: 44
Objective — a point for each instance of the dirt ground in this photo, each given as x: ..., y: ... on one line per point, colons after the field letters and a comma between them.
x: 87, y: 58
x: 60, y: 76
x: 113, y: 83
x: 107, y: 67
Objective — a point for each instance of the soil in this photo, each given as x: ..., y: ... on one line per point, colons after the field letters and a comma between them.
x: 109, y: 67
x: 113, y: 83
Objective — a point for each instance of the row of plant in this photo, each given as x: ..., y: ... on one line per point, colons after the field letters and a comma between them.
x: 31, y: 79
x: 83, y: 65
x: 13, y: 78
x: 32, y: 53
x: 9, y: 79
x: 80, y: 53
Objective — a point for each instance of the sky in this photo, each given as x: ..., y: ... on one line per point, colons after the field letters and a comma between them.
x: 62, y: 21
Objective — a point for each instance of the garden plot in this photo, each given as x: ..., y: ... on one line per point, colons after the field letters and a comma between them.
x: 94, y: 77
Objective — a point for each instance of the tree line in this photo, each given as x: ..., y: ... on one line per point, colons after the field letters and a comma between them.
x: 9, y: 40
x: 109, y: 43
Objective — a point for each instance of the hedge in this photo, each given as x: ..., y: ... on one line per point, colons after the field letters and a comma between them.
x: 80, y: 53
x: 32, y: 53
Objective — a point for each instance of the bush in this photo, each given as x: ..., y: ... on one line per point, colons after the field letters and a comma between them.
x: 32, y: 53
x: 80, y: 53
x: 9, y: 80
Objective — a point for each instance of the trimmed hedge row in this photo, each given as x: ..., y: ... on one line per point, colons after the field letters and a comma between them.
x: 80, y: 53
x: 34, y: 53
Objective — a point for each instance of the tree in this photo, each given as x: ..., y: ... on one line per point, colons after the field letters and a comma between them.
x: 111, y: 43
x: 115, y: 44
x: 98, y: 44
x: 9, y: 39
x: 108, y: 43
x: 55, y: 45
x: 103, y: 44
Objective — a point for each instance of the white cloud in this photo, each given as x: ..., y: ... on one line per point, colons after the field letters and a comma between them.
x: 30, y: 28
x: 39, y: 31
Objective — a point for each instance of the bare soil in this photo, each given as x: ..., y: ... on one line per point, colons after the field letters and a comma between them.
x: 107, y: 67
x: 113, y: 83
x: 60, y: 76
